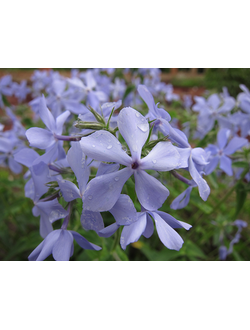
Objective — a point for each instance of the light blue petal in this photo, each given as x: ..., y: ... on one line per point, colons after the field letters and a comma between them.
x: 182, y: 200
x: 40, y: 138
x: 235, y: 144
x: 83, y: 243
x: 77, y: 161
x: 203, y: 187
x: 212, y: 165
x: 62, y: 248
x: 222, y: 137
x: 163, y: 157
x: 226, y: 165
x: 60, y: 120
x: 171, y: 221
x: 134, y: 128
x: 69, y: 190
x: 46, y: 115
x: 104, y: 146
x: 109, y: 230
x: 92, y: 220
x: 48, y: 244
x: 26, y: 156
x: 150, y: 192
x: 168, y: 236
x: 124, y: 211
x: 149, y: 230
x: 103, y: 191
x: 133, y: 232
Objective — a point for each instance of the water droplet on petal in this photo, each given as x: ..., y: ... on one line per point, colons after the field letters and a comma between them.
x: 143, y: 127
x: 137, y: 114
x: 109, y: 146
x: 93, y: 145
x: 90, y: 197
x: 116, y: 179
x: 154, y: 161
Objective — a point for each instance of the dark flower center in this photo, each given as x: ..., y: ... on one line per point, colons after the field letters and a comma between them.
x: 135, y: 165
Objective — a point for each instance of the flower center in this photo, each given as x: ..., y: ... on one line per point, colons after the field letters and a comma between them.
x: 135, y: 165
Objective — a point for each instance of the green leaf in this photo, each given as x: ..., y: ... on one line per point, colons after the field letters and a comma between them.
x: 241, y: 195
x: 241, y: 164
x: 205, y: 207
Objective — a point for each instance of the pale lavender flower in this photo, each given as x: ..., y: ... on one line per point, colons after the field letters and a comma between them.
x: 221, y: 153
x: 59, y: 243
x: 103, y: 191
x: 192, y: 159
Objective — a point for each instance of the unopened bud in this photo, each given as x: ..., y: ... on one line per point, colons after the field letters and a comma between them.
x: 88, y: 125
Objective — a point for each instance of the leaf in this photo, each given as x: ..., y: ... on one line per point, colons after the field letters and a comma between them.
x: 241, y: 164
x: 205, y: 207
x: 192, y: 250
x: 241, y: 195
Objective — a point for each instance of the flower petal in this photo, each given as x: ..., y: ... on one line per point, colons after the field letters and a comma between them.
x: 75, y: 107
x: 69, y: 190
x: 150, y: 192
x: 182, y: 200
x: 222, y: 137
x: 46, y: 115
x: 203, y: 187
x: 235, y: 144
x: 26, y: 156
x: 62, y: 248
x: 77, y: 161
x: 109, y: 230
x: 171, y: 221
x: 104, y: 146
x: 124, y: 211
x: 48, y: 244
x: 149, y: 230
x: 40, y: 138
x: 168, y: 236
x: 103, y: 191
x: 60, y: 120
x: 83, y: 243
x: 134, y: 128
x: 226, y: 165
x: 92, y: 220
x: 212, y: 165
x: 163, y: 157
x: 133, y: 232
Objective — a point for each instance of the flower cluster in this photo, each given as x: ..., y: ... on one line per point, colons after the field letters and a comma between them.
x: 97, y: 135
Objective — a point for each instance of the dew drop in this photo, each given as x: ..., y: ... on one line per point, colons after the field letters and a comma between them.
x: 109, y: 146
x: 93, y: 145
x: 143, y: 127
x: 137, y: 114
x: 116, y: 179
x: 154, y: 161
x: 90, y: 197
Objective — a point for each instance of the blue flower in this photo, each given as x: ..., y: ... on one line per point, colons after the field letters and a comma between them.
x: 103, y: 191
x: 220, y: 154
x: 59, y: 243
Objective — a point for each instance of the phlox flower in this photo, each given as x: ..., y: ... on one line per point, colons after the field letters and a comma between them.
x: 59, y: 243
x: 144, y: 226
x: 221, y: 152
x: 123, y: 211
x: 48, y: 138
x: 193, y: 159
x: 103, y: 191
x: 211, y: 110
x: 89, y: 88
x: 60, y: 99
